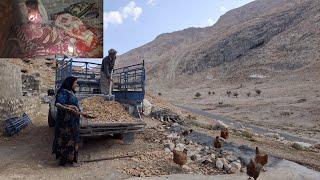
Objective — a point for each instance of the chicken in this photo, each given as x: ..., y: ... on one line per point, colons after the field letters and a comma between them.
x: 187, y: 132
x: 217, y: 143
x: 261, y: 158
x: 179, y: 157
x: 225, y: 133
x: 253, y: 169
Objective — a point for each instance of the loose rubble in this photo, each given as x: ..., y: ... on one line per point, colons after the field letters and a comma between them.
x: 105, y: 111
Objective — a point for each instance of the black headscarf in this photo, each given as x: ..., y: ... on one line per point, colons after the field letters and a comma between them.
x: 67, y: 84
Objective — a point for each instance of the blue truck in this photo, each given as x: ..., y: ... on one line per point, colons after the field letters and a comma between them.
x: 128, y: 89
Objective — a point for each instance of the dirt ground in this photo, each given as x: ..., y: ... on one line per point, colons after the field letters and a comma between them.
x: 289, y: 102
x: 28, y: 154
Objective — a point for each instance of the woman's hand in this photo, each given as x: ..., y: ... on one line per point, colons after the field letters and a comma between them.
x: 73, y: 107
x: 73, y: 110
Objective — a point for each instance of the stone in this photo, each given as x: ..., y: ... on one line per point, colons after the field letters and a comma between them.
x: 227, y: 167
x: 170, y: 146
x: 236, y: 165
x: 317, y: 146
x: 219, y: 164
x: 173, y: 135
x: 147, y: 107
x: 207, y: 161
x: 175, y: 124
x: 233, y: 170
x: 180, y: 145
x: 135, y: 159
x: 195, y: 157
x: 213, y: 156
x: 272, y: 135
x: 301, y: 145
x: 231, y: 158
x: 220, y: 125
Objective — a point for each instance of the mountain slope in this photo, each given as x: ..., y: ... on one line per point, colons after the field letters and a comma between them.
x: 260, y: 37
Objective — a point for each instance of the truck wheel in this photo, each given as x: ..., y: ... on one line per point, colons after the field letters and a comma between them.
x: 128, y: 138
x: 51, y: 121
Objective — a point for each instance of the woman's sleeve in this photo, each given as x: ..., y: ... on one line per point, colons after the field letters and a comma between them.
x: 62, y: 98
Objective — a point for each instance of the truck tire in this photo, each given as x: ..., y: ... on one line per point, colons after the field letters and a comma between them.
x: 50, y: 92
x: 51, y: 121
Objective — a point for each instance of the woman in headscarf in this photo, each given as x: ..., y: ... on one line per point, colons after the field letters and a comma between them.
x: 67, y: 138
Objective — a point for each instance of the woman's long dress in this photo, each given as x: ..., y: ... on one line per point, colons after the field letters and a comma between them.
x: 67, y: 138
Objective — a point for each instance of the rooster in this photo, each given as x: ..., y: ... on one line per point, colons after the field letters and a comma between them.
x: 179, y: 157
x: 253, y: 169
x: 261, y: 158
x: 217, y: 143
x: 225, y: 133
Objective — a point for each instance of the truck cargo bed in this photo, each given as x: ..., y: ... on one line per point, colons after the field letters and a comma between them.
x: 88, y: 128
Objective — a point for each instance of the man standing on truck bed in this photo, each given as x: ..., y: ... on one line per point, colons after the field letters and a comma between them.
x: 106, y: 71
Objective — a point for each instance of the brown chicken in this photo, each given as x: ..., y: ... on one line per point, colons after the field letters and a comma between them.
x: 217, y: 143
x: 225, y: 133
x: 186, y: 132
x: 261, y: 158
x: 179, y: 157
x: 253, y: 169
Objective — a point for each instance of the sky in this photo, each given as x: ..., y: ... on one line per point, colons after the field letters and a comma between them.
x: 129, y: 24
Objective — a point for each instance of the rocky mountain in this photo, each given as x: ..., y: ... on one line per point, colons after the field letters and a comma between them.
x: 265, y: 36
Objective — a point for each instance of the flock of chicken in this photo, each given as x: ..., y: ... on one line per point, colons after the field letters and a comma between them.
x: 253, y: 168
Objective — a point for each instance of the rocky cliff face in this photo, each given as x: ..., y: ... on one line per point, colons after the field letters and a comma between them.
x: 263, y: 36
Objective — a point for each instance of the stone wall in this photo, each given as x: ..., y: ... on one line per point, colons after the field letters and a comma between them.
x: 12, y: 103
x: 11, y: 107
x: 31, y: 83
x: 10, y: 78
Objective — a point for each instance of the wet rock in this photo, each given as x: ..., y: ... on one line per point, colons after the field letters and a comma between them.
x: 245, y: 160
x: 219, y: 164
x: 301, y: 145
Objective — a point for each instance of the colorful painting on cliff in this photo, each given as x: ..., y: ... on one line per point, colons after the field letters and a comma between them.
x: 49, y: 28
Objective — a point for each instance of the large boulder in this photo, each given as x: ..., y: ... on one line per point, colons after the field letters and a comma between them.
x: 301, y: 145
x: 147, y: 107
